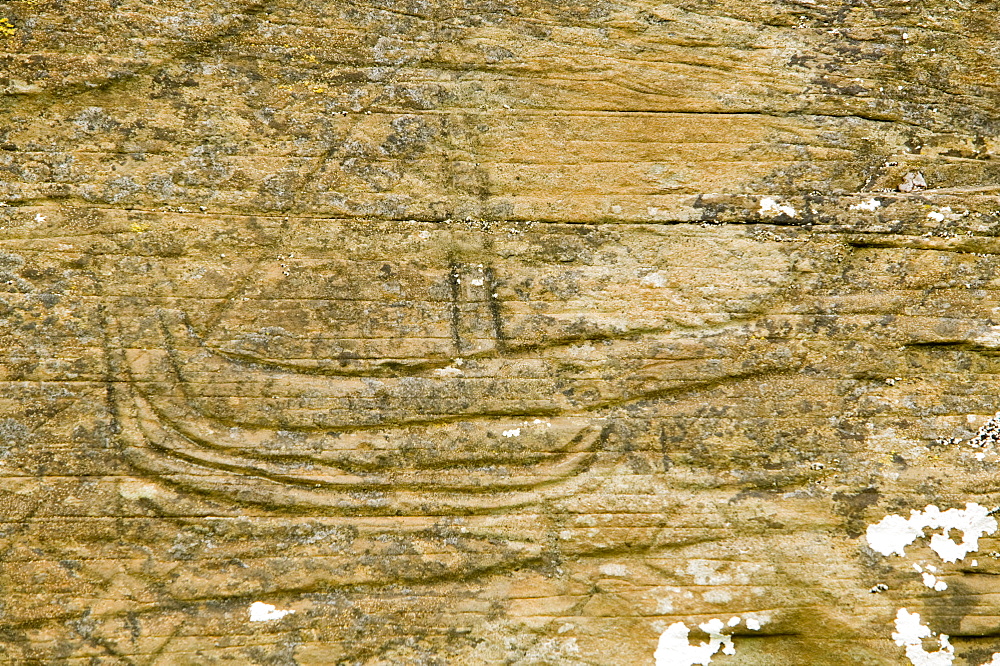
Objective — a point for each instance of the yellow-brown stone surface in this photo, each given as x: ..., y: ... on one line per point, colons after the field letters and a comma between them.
x: 499, y: 332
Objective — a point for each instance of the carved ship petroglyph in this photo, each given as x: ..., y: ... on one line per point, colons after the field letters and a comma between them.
x: 479, y: 423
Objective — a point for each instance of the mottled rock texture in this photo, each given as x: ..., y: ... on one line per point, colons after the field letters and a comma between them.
x: 480, y: 332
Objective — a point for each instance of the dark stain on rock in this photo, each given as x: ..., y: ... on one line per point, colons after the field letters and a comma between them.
x: 853, y: 505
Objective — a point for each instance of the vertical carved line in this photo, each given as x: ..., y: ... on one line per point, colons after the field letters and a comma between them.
x: 667, y: 462
x: 493, y: 303
x: 455, y: 281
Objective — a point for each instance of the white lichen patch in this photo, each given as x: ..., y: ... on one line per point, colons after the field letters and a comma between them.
x: 613, y: 569
x: 930, y: 578
x: 513, y: 432
x: 675, y: 649
x: 933, y: 582
x: 869, y: 205
x: 552, y: 651
x: 772, y: 208
x: 585, y: 350
x: 717, y: 596
x: 664, y: 606
x: 945, y: 213
x: 654, y: 280
x: 261, y: 612
x: 909, y: 634
x: 894, y: 533
x: 706, y: 572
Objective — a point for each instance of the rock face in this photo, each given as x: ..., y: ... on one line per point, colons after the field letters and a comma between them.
x: 499, y: 332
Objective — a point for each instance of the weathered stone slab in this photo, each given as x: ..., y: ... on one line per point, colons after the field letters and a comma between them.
x: 499, y: 332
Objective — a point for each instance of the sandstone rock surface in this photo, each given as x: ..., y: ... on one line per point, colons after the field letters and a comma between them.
x: 481, y: 332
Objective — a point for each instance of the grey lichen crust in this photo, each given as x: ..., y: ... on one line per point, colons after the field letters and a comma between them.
x: 499, y: 332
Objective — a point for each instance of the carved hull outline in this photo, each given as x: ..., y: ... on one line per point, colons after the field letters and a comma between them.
x: 168, y: 436
x: 170, y: 439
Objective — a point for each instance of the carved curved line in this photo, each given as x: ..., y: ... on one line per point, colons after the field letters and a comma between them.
x: 171, y: 347
x: 181, y: 423
x: 651, y: 392
x: 171, y: 442
x: 252, y: 487
x: 417, y: 368
x: 195, y: 432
